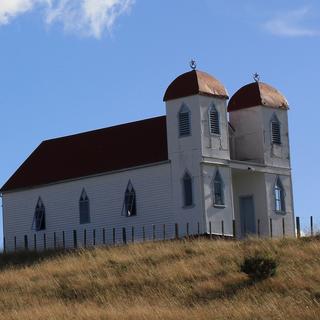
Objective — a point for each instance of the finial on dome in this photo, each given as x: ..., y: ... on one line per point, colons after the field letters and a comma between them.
x: 193, y: 64
x: 256, y: 77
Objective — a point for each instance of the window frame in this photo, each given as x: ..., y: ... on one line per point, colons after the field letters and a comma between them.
x: 275, y: 121
x: 39, y: 209
x: 129, y: 192
x: 279, y: 196
x: 184, y: 110
x: 211, y: 110
x: 217, y: 179
x: 184, y: 178
x: 84, y: 200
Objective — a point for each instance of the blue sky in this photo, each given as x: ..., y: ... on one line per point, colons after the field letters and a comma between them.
x: 68, y: 66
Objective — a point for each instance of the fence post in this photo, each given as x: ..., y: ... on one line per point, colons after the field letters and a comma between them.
x: 104, y: 236
x: 210, y: 229
x: 94, y: 236
x: 54, y: 241
x: 85, y: 238
x: 188, y: 229
x: 311, y: 225
x: 44, y: 241
x: 258, y: 228
x: 164, y: 232
x: 75, y: 242
x: 283, y: 228
x: 15, y: 244
x: 124, y: 236
x: 222, y: 228
x: 35, y: 242
x: 143, y: 233
x: 153, y: 232
x: 176, y: 227
x: 234, y: 228
x: 132, y: 234
x: 271, y: 231
x: 63, y: 240
x: 4, y: 245
x: 298, y: 227
x: 114, y: 235
x: 198, y: 228
x: 26, y: 242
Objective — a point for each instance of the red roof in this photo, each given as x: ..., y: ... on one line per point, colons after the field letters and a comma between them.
x: 257, y: 94
x: 195, y: 82
x: 94, y: 152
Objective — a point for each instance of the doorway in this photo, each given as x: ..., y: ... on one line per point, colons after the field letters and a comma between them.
x: 247, y: 216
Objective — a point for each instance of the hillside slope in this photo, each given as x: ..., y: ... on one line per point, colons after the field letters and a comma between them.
x: 196, y: 279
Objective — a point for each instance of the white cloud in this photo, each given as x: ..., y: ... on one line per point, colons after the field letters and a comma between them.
x: 291, y: 24
x: 87, y: 17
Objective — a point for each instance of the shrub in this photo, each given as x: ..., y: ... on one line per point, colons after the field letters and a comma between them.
x: 259, y: 266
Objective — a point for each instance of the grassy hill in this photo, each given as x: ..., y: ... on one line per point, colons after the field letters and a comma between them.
x: 195, y: 279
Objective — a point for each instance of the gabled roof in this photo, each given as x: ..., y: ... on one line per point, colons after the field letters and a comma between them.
x: 94, y: 152
x: 195, y: 82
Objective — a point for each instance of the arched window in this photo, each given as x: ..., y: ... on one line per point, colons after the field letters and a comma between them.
x: 39, y: 219
x: 214, y: 122
x: 187, y: 190
x: 84, y: 208
x: 275, y: 130
x: 279, y: 196
x: 218, y: 194
x: 184, y: 119
x: 130, y: 205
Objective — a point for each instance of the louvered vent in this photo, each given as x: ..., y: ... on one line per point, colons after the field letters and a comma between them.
x: 214, y: 122
x: 184, y: 124
x: 276, y: 134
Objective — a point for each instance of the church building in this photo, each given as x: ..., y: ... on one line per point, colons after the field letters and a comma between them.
x: 210, y: 165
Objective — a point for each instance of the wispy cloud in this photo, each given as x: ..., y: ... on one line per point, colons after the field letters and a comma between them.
x: 292, y: 24
x: 86, y: 17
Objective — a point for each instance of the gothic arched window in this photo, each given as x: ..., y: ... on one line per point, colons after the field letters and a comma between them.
x: 84, y: 208
x: 214, y: 122
x: 39, y: 219
x: 279, y: 196
x: 184, y: 120
x: 218, y: 192
x: 187, y: 190
x: 275, y: 130
x: 130, y: 205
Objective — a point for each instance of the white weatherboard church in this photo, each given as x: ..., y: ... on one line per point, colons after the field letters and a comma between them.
x: 192, y: 167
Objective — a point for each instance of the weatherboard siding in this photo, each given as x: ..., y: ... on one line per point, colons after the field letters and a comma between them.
x: 106, y: 196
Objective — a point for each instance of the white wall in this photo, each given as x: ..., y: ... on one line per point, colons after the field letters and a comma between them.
x: 153, y: 188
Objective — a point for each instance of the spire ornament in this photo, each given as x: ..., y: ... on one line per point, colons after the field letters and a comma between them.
x: 256, y: 77
x: 193, y: 64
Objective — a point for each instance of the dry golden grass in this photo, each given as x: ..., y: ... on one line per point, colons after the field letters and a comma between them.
x: 196, y: 279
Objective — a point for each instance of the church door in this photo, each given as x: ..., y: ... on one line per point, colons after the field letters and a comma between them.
x: 247, y: 216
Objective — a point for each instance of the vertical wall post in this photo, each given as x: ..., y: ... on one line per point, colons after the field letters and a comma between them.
x: 164, y: 232
x: 234, y: 228
x: 258, y: 228
x: 198, y: 228
x: 188, y: 230
x: 26, y: 242
x: 132, y: 234
x: 271, y: 231
x: 94, y: 236
x: 154, y: 232
x: 210, y: 229
x: 283, y: 228
x: 63, y: 240
x: 298, y: 227
x: 75, y: 241
x: 222, y: 228
x: 143, y: 233
x: 311, y: 226
x: 54, y: 241
x: 114, y: 235
x: 85, y: 238
x: 124, y: 236
x: 104, y: 236
x: 15, y: 244
x: 176, y: 227
x: 44, y: 241
x: 4, y: 245
x: 35, y: 242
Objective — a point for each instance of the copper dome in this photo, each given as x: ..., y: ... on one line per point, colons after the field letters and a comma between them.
x: 195, y: 82
x: 257, y: 94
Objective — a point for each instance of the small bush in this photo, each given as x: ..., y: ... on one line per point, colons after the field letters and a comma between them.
x: 259, y: 266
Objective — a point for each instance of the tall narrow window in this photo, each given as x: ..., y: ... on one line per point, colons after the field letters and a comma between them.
x: 184, y: 121
x: 39, y: 219
x: 84, y: 208
x: 187, y: 190
x: 275, y: 130
x: 218, y: 194
x: 214, y: 122
x: 130, y: 206
x: 279, y: 196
